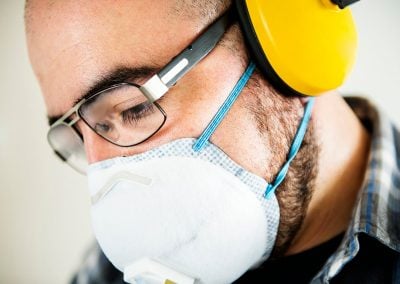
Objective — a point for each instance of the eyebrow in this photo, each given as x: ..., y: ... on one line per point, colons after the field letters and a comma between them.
x: 116, y: 76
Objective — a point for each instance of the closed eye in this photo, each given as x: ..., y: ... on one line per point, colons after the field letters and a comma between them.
x: 134, y: 114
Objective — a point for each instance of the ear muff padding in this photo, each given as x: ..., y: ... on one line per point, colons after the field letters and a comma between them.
x: 303, y: 47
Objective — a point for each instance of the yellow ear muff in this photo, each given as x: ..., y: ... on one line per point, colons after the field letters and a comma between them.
x: 304, y: 47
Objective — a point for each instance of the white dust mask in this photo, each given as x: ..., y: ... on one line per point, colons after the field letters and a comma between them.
x: 186, y: 212
x: 197, y: 213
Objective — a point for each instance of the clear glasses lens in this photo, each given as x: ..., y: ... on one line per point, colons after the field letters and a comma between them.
x: 69, y: 146
x: 122, y: 115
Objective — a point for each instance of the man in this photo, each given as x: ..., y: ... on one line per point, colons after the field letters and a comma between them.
x: 337, y: 207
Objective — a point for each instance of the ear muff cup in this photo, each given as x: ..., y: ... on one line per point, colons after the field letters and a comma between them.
x: 302, y: 47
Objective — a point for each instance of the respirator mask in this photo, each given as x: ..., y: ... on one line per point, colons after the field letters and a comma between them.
x: 185, y: 212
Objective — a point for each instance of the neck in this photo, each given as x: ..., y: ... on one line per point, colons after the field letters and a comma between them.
x: 343, y: 158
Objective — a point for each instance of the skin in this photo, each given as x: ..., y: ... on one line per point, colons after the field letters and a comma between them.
x: 72, y: 45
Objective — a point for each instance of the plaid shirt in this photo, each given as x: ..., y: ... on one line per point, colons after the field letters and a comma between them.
x: 376, y: 213
x: 377, y: 210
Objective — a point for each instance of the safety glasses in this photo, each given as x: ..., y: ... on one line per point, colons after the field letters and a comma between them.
x: 128, y: 114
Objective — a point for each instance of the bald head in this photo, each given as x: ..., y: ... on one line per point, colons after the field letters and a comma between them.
x: 83, y: 34
x: 203, y: 11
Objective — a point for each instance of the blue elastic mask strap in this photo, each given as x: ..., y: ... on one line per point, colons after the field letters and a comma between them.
x: 223, y: 110
x: 294, y: 149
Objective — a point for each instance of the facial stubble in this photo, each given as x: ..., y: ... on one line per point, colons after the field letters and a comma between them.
x: 277, y: 118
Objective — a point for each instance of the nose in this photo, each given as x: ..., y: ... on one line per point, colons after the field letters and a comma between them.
x: 97, y: 148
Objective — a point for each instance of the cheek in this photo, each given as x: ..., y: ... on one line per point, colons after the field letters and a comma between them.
x: 238, y: 136
x: 188, y: 113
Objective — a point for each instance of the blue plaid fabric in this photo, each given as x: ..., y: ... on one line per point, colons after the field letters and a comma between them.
x: 376, y: 213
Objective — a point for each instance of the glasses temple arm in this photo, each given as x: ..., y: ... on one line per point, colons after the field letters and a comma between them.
x: 159, y: 84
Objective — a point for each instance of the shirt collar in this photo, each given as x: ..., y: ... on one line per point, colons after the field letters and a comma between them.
x: 377, y: 210
x: 378, y: 207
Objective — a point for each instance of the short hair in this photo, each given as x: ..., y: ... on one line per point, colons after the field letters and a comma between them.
x: 203, y: 10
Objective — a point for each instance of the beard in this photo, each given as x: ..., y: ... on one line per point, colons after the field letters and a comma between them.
x: 278, y: 118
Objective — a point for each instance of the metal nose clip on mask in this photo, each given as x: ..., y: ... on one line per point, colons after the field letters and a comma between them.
x: 184, y: 212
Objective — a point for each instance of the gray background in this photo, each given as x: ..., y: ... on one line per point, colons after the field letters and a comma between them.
x: 44, y: 206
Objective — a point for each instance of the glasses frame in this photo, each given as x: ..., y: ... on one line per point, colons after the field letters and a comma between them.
x: 159, y: 84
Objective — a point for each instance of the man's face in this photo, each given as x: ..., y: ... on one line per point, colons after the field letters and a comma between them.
x: 74, y: 46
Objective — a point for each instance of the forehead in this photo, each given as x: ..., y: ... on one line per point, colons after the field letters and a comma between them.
x: 74, y: 43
